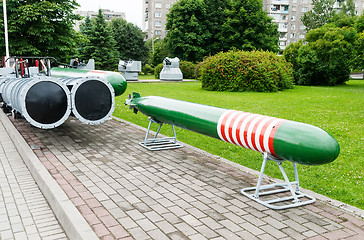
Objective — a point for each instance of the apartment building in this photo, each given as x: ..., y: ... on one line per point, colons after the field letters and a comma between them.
x: 155, y: 17
x: 286, y: 13
x: 108, y: 14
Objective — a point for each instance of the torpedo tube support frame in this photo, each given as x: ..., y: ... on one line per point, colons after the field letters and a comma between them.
x: 295, y: 196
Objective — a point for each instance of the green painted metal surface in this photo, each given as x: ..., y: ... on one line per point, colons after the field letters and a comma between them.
x: 286, y: 140
x: 201, y: 119
x: 116, y: 80
x: 305, y: 144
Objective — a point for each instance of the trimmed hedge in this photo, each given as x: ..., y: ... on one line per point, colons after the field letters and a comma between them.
x: 246, y: 71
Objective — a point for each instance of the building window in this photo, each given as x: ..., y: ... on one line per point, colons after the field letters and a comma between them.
x: 294, y: 8
x: 158, y: 23
x: 293, y: 35
x: 157, y: 32
x: 283, y: 25
x: 304, y: 1
x: 284, y: 17
x: 168, y: 6
x: 294, y: 1
x: 157, y: 14
x: 304, y: 9
x: 302, y: 35
x: 282, y: 43
x: 158, y: 5
x: 276, y: 8
x: 293, y: 18
x: 302, y: 27
x: 293, y: 27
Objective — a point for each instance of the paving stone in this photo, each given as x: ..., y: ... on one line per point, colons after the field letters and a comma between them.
x: 272, y: 231
x: 158, y: 234
x: 138, y: 233
x: 185, y: 229
x: 146, y: 224
x: 211, y: 223
x: 251, y: 228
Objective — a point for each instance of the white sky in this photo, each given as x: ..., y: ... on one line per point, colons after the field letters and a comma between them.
x: 133, y: 8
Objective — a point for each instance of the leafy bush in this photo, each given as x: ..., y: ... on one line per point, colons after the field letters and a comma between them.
x: 147, y: 69
x: 197, y: 74
x: 327, y: 57
x: 157, y: 70
x: 246, y: 71
x: 187, y: 69
x: 291, y: 55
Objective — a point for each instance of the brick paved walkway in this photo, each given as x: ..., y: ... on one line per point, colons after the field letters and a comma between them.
x: 127, y: 192
x: 24, y: 212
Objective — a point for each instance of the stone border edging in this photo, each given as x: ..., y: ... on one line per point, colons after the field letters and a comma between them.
x: 335, y: 203
x: 73, y: 223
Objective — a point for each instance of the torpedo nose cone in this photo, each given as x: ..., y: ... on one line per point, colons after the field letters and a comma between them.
x: 305, y: 144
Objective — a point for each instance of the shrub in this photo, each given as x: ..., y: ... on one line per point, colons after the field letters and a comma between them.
x: 147, y: 69
x: 246, y: 71
x: 327, y: 57
x: 157, y: 70
x: 291, y: 55
x: 197, y: 70
x: 187, y: 69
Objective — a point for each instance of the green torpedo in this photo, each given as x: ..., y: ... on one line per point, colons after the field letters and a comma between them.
x: 279, y: 138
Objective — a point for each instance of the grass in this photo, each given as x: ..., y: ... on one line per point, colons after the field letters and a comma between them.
x: 146, y: 76
x: 338, y: 110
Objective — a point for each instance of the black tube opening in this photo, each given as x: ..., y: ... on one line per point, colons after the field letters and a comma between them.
x: 46, y: 102
x: 93, y: 100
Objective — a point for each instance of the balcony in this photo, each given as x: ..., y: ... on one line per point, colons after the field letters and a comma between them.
x: 282, y: 28
x: 280, y: 2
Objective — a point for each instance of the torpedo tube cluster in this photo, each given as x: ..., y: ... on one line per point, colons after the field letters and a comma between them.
x: 47, y: 102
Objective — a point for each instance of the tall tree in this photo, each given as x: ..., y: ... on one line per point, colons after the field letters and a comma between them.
x: 216, y: 14
x: 248, y: 27
x: 41, y: 28
x: 102, y: 45
x: 186, y: 38
x: 320, y: 14
x: 129, y: 40
x: 84, y: 49
x: 159, y: 51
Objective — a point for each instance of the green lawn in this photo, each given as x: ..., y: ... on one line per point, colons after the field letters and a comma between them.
x: 145, y: 77
x: 338, y: 110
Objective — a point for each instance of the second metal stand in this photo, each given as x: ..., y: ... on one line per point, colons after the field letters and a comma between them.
x: 272, y: 195
x: 155, y: 143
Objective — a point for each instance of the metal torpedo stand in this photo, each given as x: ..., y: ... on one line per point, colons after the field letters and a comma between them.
x: 155, y: 144
x: 264, y: 191
x: 277, y: 139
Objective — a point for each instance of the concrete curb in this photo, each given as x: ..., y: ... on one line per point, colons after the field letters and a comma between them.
x: 326, y: 200
x: 67, y: 214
